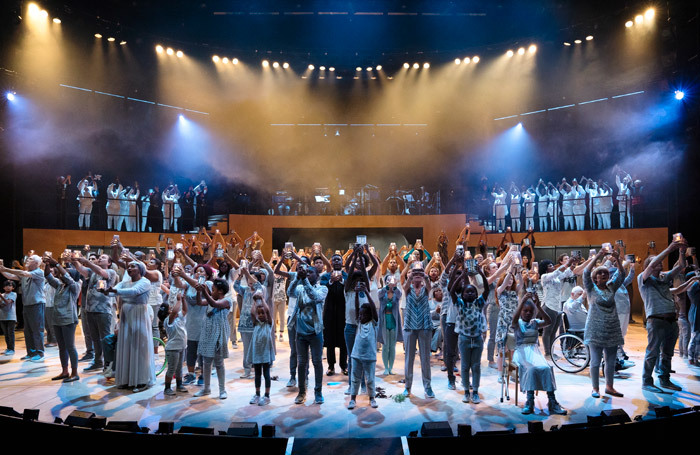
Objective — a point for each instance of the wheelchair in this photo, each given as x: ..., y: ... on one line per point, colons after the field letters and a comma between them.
x: 569, y: 354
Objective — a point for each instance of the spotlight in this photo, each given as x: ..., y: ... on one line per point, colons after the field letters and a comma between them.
x: 406, y: 65
x: 457, y: 61
x: 159, y: 48
x: 466, y: 60
x: 589, y: 38
x: 276, y: 65
x: 111, y: 39
x: 416, y: 66
x: 378, y: 67
x: 56, y: 20
x: 33, y: 9
x: 521, y: 51
x: 426, y: 65
x: 215, y: 59
x: 10, y: 96
x: 679, y: 95
x: 649, y: 14
x: 179, y: 54
x: 358, y: 69
x: 476, y: 59
x: 234, y: 61
x: 122, y: 43
x: 285, y: 65
x: 44, y: 13
x: 532, y: 49
x: 225, y: 60
x: 322, y: 68
x: 265, y: 63
x: 169, y: 51
x: 639, y: 18
x: 97, y: 35
x: 509, y: 53
x: 332, y: 68
x: 628, y: 24
x: 577, y: 41
x: 369, y: 68
x: 311, y: 67
x: 566, y: 43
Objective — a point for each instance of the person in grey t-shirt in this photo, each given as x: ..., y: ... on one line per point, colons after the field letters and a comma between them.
x: 662, y: 324
x: 32, y: 281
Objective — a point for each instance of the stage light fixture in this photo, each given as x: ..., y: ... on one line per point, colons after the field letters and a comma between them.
x: 331, y: 69
x: 457, y: 61
x: 679, y: 95
x: 311, y: 67
x: 215, y: 59
x: 532, y: 49
x: 476, y: 59
x: 111, y: 39
x: 509, y: 53
x: 416, y: 66
x: 224, y: 60
x: 639, y: 18
x: 577, y: 41
x: 589, y: 38
x: 406, y: 65
x: 322, y: 68
x: 521, y: 51
x: 566, y: 43
x: 180, y: 54
x: 466, y: 60
x: 44, y: 13
x: 56, y: 20
x: 628, y: 24
x: 369, y: 68
x: 33, y: 9
x: 10, y: 96
x: 276, y: 65
x: 97, y: 35
x: 649, y: 14
x: 378, y: 67
x: 159, y: 49
x: 122, y: 43
x: 265, y: 63
x: 285, y: 65
x: 169, y: 51
x: 426, y: 65
x: 234, y: 60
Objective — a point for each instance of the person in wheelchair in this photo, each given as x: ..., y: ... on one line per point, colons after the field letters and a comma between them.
x: 576, y: 311
x: 535, y: 373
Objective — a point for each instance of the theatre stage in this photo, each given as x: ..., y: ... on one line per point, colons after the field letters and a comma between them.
x: 28, y: 385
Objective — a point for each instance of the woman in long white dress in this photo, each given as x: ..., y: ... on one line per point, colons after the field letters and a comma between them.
x: 86, y: 197
x: 113, y: 206
x: 515, y: 196
x: 500, y: 209
x: 135, y: 367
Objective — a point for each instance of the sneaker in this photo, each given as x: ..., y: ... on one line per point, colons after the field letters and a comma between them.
x: 264, y: 400
x: 429, y: 393
x: 291, y: 383
x: 651, y: 388
x: 9, y: 352
x: 255, y: 399
x: 93, y: 367
x: 202, y: 393
x: 37, y: 358
x: 595, y: 394
x: 555, y: 408
x: 666, y: 384
x: 181, y: 389
x: 26, y: 357
x: 475, y: 398
x: 500, y: 379
x: 318, y: 398
x: 626, y: 364
x: 168, y: 391
x: 451, y: 385
x: 223, y: 395
x: 86, y: 357
x: 406, y: 392
x: 443, y: 368
x: 529, y: 407
x: 188, y: 379
x: 351, y: 404
x: 109, y: 373
x: 373, y: 403
x: 200, y: 381
x: 300, y: 399
x: 465, y: 398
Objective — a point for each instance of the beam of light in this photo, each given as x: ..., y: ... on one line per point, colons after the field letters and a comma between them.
x: 276, y: 65
x: 649, y: 14
x: 521, y: 51
x: 179, y: 54
x: 159, y: 48
x: 679, y: 94
x: 265, y: 64
x: 234, y: 60
x: 215, y: 59
x: 458, y: 61
x: 628, y: 24
x: 639, y: 19
x: 467, y: 60
x: 285, y: 65
x: 532, y: 49
x: 510, y: 53
x: 406, y: 65
x: 416, y: 66
x: 169, y: 51
x: 33, y: 9
x: 10, y: 96
x: 225, y: 61
x: 476, y: 59
x: 426, y: 65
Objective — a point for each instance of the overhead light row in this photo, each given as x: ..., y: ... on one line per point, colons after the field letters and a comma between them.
x: 111, y: 39
x: 170, y: 51
x: 465, y: 61
x: 640, y: 19
x: 578, y: 41
x: 521, y: 51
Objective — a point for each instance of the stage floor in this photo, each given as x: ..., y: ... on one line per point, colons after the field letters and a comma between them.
x: 28, y: 385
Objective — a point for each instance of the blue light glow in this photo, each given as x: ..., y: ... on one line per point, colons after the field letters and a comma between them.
x: 10, y: 96
x: 679, y: 95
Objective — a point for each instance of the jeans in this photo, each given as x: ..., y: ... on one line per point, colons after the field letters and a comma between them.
x: 315, y: 343
x: 363, y: 369
x: 109, y: 346
x: 422, y: 337
x: 597, y: 353
x: 100, y: 326
x: 436, y: 340
x: 493, y: 311
x: 247, y: 338
x: 661, y: 339
x: 8, y: 328
x: 694, y: 346
x: 450, y: 353
x: 389, y: 348
x: 175, y: 359
x: 65, y: 336
x: 192, y: 357
x: 350, y: 332
x: 218, y: 361
x: 292, y: 332
x: 549, y: 333
x: 34, y: 329
x: 89, y: 349
x: 278, y: 314
x: 470, y: 349
x: 50, y: 332
x: 684, y: 337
